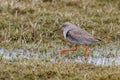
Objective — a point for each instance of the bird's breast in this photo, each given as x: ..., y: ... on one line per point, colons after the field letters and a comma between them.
x: 64, y: 34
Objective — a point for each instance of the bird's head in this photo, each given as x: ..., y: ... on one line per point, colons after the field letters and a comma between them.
x: 65, y: 26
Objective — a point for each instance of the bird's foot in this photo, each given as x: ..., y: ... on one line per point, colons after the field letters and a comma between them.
x: 66, y: 50
x: 62, y: 51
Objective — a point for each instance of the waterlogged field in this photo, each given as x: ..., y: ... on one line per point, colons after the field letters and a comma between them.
x: 28, y: 45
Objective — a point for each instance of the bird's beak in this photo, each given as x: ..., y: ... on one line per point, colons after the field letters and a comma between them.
x: 57, y: 29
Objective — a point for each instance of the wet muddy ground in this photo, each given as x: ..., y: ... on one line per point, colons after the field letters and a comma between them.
x: 106, y: 55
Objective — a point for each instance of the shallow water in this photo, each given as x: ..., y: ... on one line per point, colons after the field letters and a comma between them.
x: 107, y: 55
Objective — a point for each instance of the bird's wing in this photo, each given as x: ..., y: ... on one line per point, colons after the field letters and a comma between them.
x: 80, y: 35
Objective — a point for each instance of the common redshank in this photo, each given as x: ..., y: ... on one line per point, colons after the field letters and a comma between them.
x: 78, y: 36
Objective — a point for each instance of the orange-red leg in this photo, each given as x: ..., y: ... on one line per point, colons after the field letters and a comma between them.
x: 86, y: 51
x: 66, y: 50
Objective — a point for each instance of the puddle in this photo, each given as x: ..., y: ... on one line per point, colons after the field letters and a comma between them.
x: 107, y: 55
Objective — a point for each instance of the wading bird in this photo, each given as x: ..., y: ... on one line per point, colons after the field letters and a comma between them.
x: 75, y: 34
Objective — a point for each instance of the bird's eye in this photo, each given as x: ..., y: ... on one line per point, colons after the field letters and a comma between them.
x: 64, y: 25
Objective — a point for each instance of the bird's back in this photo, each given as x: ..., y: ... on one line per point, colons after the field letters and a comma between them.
x: 80, y: 36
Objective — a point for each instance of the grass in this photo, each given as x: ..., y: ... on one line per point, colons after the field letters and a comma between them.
x: 33, y: 22
x: 61, y: 70
x: 29, y: 24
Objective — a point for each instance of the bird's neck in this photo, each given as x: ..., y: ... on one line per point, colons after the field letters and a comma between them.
x: 65, y: 33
